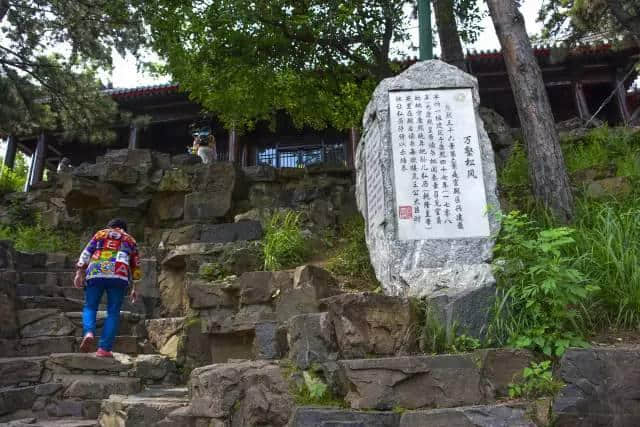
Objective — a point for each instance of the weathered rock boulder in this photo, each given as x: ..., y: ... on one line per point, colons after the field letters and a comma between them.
x: 165, y: 334
x: 602, y: 388
x: 311, y: 340
x: 44, y: 322
x: 499, y: 133
x: 618, y: 186
x: 415, y: 382
x: 412, y: 382
x: 242, y: 394
x: 141, y: 410
x: 372, y: 324
x: 83, y: 193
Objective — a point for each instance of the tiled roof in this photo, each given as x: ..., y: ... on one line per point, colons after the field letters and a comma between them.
x: 161, y: 89
x: 588, y: 50
x: 542, y: 51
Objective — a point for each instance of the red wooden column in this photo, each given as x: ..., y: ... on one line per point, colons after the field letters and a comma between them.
x: 233, y: 145
x: 36, y: 170
x: 10, y: 154
x: 621, y: 97
x: 133, y: 137
x: 354, y: 138
x: 581, y: 101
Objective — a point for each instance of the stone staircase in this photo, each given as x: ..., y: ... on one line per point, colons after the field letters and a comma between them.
x: 240, y: 356
x: 74, y: 385
x: 44, y: 381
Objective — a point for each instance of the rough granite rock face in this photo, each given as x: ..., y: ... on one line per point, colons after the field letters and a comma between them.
x: 603, y: 388
x: 306, y: 417
x: 500, y: 133
x: 423, y: 267
x: 412, y: 382
x: 446, y: 380
x: 470, y: 416
x: 8, y: 317
x: 241, y: 394
x: 372, y: 324
x: 311, y: 340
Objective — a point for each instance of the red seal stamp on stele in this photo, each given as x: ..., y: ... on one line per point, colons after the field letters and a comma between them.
x: 406, y: 212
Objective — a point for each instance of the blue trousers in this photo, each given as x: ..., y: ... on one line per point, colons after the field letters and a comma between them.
x: 116, y: 289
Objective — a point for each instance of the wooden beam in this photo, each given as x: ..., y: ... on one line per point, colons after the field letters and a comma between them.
x: 233, y: 142
x: 581, y: 101
x: 10, y: 155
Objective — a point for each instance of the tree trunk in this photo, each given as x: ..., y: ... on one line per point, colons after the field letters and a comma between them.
x: 4, y: 8
x: 630, y: 22
x: 547, y: 170
x: 448, y: 33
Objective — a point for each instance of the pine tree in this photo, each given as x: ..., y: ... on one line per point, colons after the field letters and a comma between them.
x: 50, y: 52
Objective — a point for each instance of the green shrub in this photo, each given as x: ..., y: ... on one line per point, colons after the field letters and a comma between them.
x: 13, y: 180
x: 515, y: 172
x: 213, y: 271
x: 608, y: 252
x: 432, y: 333
x: 36, y: 238
x: 284, y: 245
x: 541, y: 295
x: 602, y: 147
x: 312, y: 390
x: 433, y: 337
x: 351, y: 259
x: 537, y: 381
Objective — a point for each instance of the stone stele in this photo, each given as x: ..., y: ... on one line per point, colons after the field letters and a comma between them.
x: 426, y: 182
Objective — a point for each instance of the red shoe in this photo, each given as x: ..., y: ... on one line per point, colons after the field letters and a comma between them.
x: 87, y: 343
x: 103, y: 353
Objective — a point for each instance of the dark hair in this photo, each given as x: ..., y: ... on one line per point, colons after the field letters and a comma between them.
x: 117, y: 223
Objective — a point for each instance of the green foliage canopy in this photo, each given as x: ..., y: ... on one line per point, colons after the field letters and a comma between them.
x: 50, y: 51
x: 244, y: 60
x: 575, y: 19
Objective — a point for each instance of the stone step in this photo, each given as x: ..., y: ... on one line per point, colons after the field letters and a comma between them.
x: 46, y: 278
x: 442, y: 381
x: 47, y: 322
x: 312, y: 416
x: 95, y: 387
x: 21, y: 371
x: 26, y: 290
x: 13, y: 399
x: 130, y: 323
x: 125, y: 344
x: 64, y: 298
x: 62, y: 303
x: 44, y: 346
x: 41, y: 346
x: 153, y: 407
x: 501, y: 415
x: 62, y: 422
x: 149, y: 368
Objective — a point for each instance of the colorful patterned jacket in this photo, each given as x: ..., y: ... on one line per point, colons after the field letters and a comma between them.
x: 112, y: 254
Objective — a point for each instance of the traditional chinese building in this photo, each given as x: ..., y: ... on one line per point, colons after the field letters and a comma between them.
x: 580, y: 81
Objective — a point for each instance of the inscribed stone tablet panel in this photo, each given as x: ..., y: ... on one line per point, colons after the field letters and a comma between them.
x: 375, y: 192
x: 439, y: 186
